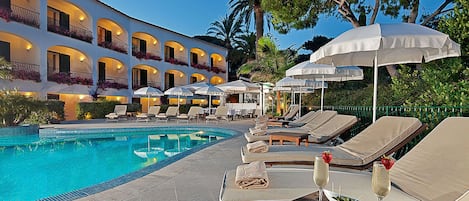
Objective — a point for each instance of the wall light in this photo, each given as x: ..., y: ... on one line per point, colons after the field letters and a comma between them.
x: 219, y: 81
x: 181, y: 49
x: 202, y: 79
x: 155, y: 71
x: 202, y: 54
x: 118, y: 33
x: 27, y: 94
x: 119, y: 66
x: 154, y: 99
x: 81, y: 97
x: 219, y: 59
x: 154, y: 42
x: 118, y: 98
x: 181, y: 100
x: 82, y: 58
x: 181, y: 75
x: 81, y: 18
x: 28, y: 47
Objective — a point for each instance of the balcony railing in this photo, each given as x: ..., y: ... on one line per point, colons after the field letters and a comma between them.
x: 176, y: 62
x: 21, y: 15
x: 72, y: 31
x: 149, y: 84
x: 71, y: 78
x: 118, y: 47
x: 25, y: 71
x: 218, y: 70
x: 143, y: 55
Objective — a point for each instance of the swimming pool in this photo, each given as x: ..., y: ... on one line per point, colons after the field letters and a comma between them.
x: 33, y: 167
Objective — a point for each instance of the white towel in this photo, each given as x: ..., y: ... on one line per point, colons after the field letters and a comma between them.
x: 252, y: 176
x: 258, y: 147
x: 254, y: 131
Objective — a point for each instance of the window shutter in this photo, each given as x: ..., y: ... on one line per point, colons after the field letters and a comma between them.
x: 143, y: 46
x: 101, y: 71
x: 64, y: 63
x: 143, y: 78
x: 64, y: 21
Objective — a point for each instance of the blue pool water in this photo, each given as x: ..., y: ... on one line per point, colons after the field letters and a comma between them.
x: 33, y: 167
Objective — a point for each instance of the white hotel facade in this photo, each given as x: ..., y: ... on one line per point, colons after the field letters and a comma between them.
x: 63, y: 49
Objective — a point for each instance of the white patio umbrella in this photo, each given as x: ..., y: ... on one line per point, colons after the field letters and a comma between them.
x: 298, y: 84
x: 324, y: 72
x: 149, y: 92
x: 239, y: 86
x: 194, y: 86
x: 210, y: 91
x: 178, y: 91
x: 386, y: 44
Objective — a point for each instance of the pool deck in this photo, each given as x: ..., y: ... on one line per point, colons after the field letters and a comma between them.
x: 196, y: 177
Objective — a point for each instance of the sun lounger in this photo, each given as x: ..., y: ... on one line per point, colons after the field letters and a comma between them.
x: 313, y: 124
x: 221, y: 113
x: 193, y: 113
x: 120, y: 112
x: 435, y: 169
x: 291, y: 112
x: 385, y: 136
x: 295, y: 123
x: 171, y: 112
x: 152, y: 112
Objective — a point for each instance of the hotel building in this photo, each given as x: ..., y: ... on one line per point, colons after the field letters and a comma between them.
x: 73, y: 50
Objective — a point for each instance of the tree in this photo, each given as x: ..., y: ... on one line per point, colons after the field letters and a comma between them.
x: 15, y: 108
x: 226, y: 30
x: 245, y: 9
x: 5, y: 69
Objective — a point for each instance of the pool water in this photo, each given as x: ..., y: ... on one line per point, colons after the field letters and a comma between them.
x: 36, y: 168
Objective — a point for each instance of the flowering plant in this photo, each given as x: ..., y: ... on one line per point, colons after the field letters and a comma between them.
x: 175, y: 61
x: 115, y: 85
x: 142, y: 55
x: 65, y: 78
x: 26, y: 75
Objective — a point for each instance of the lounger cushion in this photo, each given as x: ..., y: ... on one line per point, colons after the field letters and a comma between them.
x: 437, y: 167
x: 252, y: 138
x: 386, y: 133
x: 320, y: 120
x: 289, y: 153
x: 332, y: 128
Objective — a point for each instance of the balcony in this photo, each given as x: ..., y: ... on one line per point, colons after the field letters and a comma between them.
x: 218, y: 70
x: 147, y: 56
x: 113, y: 82
x: 118, y: 47
x: 25, y: 71
x: 21, y: 15
x: 68, y: 78
x: 136, y: 86
x: 71, y: 31
x: 175, y: 61
x: 201, y: 66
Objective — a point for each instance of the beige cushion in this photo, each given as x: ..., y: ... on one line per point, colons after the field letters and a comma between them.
x: 333, y: 127
x: 320, y: 120
x: 380, y: 137
x: 437, y: 168
x: 252, y: 138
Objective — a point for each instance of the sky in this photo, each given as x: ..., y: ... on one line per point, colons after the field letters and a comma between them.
x: 191, y: 18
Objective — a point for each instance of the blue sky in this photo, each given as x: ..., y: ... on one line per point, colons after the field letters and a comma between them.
x: 192, y: 18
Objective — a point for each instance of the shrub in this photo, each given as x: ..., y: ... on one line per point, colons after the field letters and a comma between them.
x: 16, y: 108
x: 98, y: 110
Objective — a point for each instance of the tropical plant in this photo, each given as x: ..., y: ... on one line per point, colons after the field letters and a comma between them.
x: 15, y: 108
x: 247, y: 8
x: 227, y: 29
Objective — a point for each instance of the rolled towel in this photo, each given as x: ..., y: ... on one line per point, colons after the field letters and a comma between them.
x: 252, y: 176
x: 258, y: 147
x: 254, y: 131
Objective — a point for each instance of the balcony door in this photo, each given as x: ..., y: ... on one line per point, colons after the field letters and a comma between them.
x: 169, y: 80
x: 101, y: 72
x: 58, y: 18
x: 5, y: 50
x: 104, y: 35
x: 57, y: 62
x: 194, y: 59
x: 139, y: 45
x: 168, y: 52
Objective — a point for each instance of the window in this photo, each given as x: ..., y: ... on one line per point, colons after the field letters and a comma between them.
x: 101, y: 72
x: 104, y: 35
x: 139, y: 45
x: 211, y: 62
x: 194, y: 59
x: 57, y: 62
x: 168, y: 52
x: 169, y: 80
x: 5, y: 4
x: 139, y: 77
x: 5, y: 50
x: 193, y: 79
x: 58, y: 18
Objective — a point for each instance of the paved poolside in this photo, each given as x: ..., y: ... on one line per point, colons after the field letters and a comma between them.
x: 196, y: 177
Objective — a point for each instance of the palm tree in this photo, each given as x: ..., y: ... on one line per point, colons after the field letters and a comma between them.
x: 246, y: 44
x: 245, y: 8
x: 5, y: 69
x: 227, y: 29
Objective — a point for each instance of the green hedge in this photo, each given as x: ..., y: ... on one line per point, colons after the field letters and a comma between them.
x: 98, y: 110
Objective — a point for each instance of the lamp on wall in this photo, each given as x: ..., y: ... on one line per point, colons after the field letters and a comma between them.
x: 28, y: 47
x: 202, y: 54
x: 155, y: 71
x: 202, y: 79
x: 118, y: 32
x: 181, y: 75
x: 154, y: 42
x: 81, y: 18
x: 119, y: 66
x: 82, y: 58
x: 181, y: 49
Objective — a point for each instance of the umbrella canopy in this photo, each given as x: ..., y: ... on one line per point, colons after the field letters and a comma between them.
x: 194, y: 86
x: 149, y: 92
x: 239, y: 86
x: 298, y: 84
x: 386, y: 44
x: 178, y: 91
x: 210, y: 91
x: 324, y: 72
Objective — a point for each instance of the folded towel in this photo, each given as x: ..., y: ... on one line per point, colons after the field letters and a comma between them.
x: 258, y: 147
x: 252, y: 176
x: 112, y: 116
x: 254, y: 131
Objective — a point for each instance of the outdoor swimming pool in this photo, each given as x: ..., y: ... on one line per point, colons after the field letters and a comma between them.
x: 33, y: 167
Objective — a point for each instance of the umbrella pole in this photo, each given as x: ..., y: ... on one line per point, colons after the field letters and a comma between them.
x: 148, y: 103
x: 375, y: 85
x: 299, y: 111
x: 178, y: 102
x: 209, y: 104
x: 322, y: 94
